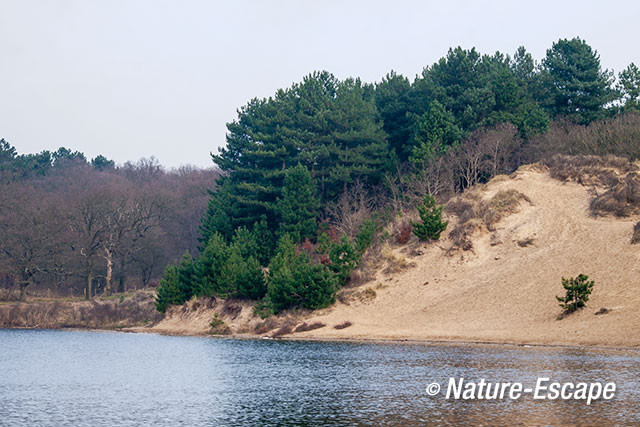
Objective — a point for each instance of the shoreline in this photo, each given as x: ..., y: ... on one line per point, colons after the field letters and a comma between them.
x: 359, y: 340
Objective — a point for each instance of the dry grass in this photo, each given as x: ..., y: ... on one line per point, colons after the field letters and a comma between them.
x: 136, y: 310
x: 588, y: 170
x: 285, y: 329
x: 475, y: 214
x: 349, y: 296
x: 621, y: 199
x: 394, y: 263
x: 618, y: 176
x: 268, y: 325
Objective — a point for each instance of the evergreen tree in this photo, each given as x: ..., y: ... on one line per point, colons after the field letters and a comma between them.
x: 393, y: 101
x: 169, y: 291
x: 220, y: 214
x: 431, y: 225
x: 629, y: 88
x: 294, y: 281
x: 434, y: 131
x: 212, y: 261
x: 297, y: 208
x: 100, y: 162
x: 264, y: 239
x: 576, y: 84
x: 7, y: 153
x: 178, y: 284
x: 577, y: 292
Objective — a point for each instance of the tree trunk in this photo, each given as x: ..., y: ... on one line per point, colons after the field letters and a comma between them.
x: 109, y: 258
x: 88, y: 294
x: 23, y: 291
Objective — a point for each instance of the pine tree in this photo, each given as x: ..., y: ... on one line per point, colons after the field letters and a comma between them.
x: 212, y: 261
x: 295, y: 281
x: 629, y: 88
x: 431, y: 225
x: 577, y: 86
x: 298, y: 207
x: 577, y: 292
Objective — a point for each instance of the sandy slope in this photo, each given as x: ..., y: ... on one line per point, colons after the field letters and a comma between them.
x: 506, y: 293
x: 501, y: 293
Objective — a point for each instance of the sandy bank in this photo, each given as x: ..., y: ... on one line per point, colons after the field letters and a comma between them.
x: 499, y: 292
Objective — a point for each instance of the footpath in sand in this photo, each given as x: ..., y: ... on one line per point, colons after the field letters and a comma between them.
x: 499, y: 292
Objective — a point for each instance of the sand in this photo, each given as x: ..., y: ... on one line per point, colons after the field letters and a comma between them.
x: 501, y: 293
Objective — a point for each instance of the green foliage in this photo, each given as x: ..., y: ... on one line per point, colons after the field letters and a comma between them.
x: 8, y: 153
x: 366, y: 233
x: 212, y: 261
x: 434, y: 131
x: 298, y: 207
x: 100, y: 162
x: 577, y: 292
x: 264, y: 239
x: 629, y: 88
x: 576, y: 85
x: 64, y: 157
x: 295, y: 281
x: 176, y: 286
x: 392, y: 96
x: 220, y: 212
x: 231, y: 270
x: 344, y: 258
x: 431, y: 215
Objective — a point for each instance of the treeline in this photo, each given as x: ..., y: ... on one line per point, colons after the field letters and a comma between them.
x: 310, y: 175
x: 71, y: 226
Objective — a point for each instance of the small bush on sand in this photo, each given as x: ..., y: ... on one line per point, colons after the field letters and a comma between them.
x: 577, y: 293
x: 304, y: 327
x: 432, y: 224
x: 343, y: 325
x: 218, y: 327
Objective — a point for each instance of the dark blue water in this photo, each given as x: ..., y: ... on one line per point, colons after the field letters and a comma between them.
x: 109, y: 379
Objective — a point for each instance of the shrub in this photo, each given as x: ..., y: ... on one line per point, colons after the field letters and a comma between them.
x: 304, y: 327
x: 213, y: 260
x: 431, y: 215
x: 344, y: 258
x: 577, y: 292
x: 366, y: 233
x: 177, y: 285
x: 635, y: 239
x: 294, y: 281
x: 404, y: 233
x: 218, y: 327
x: 343, y: 325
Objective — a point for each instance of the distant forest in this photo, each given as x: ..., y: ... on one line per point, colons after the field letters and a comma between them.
x: 71, y: 227
x: 308, y: 178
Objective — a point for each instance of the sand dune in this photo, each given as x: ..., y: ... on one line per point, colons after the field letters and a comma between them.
x: 499, y: 292
x: 505, y: 292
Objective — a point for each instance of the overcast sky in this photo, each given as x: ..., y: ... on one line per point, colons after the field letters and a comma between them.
x: 141, y: 78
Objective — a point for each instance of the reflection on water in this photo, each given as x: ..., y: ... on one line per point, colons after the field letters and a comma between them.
x: 96, y: 378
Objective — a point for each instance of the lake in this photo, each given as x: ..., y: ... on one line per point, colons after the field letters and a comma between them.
x: 107, y: 379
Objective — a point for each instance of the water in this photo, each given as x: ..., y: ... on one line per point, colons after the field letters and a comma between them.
x: 109, y: 379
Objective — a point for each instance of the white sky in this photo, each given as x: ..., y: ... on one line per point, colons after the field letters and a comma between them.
x: 136, y: 78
